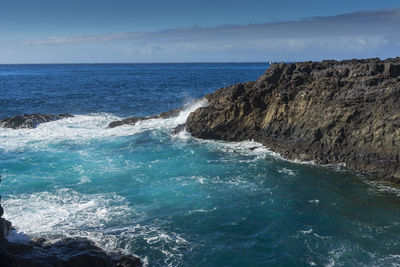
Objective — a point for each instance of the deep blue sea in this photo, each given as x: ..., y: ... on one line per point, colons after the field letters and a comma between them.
x: 172, y: 199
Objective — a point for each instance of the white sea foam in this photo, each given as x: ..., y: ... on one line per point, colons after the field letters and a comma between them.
x: 67, y: 213
x: 62, y: 211
x: 383, y: 187
x: 287, y: 171
x: 244, y: 148
x: 249, y: 148
x: 307, y: 231
x: 82, y: 128
x: 203, y: 210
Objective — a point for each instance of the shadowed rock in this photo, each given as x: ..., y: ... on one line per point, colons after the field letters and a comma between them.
x: 179, y: 128
x: 329, y: 112
x: 65, y: 252
x: 130, y: 121
x: 30, y: 120
x: 133, y: 120
x: 5, y: 226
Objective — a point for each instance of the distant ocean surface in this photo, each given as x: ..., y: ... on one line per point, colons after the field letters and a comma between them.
x: 172, y: 199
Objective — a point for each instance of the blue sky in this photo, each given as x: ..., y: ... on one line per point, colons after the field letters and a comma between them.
x: 58, y: 31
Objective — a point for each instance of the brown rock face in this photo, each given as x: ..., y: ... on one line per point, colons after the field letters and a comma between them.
x: 329, y: 112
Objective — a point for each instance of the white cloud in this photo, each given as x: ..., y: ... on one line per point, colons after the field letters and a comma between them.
x: 361, y: 34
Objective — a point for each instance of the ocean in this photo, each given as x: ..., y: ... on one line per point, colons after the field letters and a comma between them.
x: 172, y: 199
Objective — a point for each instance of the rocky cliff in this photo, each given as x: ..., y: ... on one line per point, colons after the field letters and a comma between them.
x: 328, y: 112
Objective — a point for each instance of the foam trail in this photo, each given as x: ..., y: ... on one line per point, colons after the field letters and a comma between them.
x: 244, y: 148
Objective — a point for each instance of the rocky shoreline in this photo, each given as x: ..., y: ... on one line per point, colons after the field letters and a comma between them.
x: 329, y: 112
x: 65, y: 252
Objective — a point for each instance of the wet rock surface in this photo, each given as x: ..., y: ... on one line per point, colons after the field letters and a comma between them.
x: 30, y: 121
x: 329, y: 112
x: 64, y: 252
x: 5, y: 226
x: 133, y: 120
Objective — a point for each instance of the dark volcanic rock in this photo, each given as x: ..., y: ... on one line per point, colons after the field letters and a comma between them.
x: 179, y: 128
x: 328, y: 112
x: 66, y: 252
x: 5, y: 226
x: 30, y: 120
x: 132, y: 120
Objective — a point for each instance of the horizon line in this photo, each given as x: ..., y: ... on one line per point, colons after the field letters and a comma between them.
x: 104, y: 63
x: 198, y: 62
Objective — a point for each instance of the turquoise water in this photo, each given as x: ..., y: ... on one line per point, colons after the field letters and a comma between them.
x: 170, y: 198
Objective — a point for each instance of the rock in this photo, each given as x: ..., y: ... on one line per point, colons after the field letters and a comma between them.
x: 130, y: 121
x: 133, y: 120
x: 5, y: 226
x: 65, y: 252
x: 169, y: 114
x: 30, y: 120
x: 129, y: 261
x: 329, y: 112
x: 179, y: 128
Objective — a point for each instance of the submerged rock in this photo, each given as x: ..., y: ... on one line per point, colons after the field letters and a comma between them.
x: 329, y: 112
x: 133, y: 120
x: 30, y: 120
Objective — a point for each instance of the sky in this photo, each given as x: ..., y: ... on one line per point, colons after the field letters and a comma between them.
x: 130, y: 31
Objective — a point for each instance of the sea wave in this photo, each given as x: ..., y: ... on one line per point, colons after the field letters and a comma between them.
x: 82, y: 128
